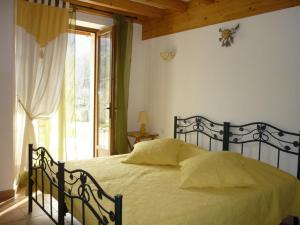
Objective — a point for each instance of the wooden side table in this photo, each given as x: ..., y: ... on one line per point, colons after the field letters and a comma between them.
x: 138, y: 136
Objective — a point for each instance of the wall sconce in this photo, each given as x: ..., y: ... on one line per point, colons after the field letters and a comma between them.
x: 168, y: 55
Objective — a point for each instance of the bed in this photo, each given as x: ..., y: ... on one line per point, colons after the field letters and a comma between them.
x: 151, y: 193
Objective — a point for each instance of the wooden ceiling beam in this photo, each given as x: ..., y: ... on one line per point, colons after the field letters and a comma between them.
x: 165, y: 4
x: 202, y: 13
x: 124, y: 7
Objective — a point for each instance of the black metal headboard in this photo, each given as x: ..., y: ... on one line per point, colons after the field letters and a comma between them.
x: 257, y: 132
x: 201, y: 125
x: 264, y: 133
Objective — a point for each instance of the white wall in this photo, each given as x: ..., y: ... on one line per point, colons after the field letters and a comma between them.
x: 6, y: 94
x: 138, y: 86
x: 257, y: 79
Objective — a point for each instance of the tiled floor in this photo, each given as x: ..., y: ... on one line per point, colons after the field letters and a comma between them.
x: 14, y: 212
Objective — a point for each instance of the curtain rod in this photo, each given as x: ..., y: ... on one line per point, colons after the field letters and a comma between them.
x: 56, y: 3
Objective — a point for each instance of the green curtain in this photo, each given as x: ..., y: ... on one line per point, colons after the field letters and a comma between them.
x: 123, y: 49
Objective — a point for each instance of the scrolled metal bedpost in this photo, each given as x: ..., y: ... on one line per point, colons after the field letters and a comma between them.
x: 226, y: 136
x: 61, y: 192
x: 30, y: 148
x: 175, y: 127
x: 118, y: 209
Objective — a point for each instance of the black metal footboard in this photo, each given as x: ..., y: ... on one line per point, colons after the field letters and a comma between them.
x: 77, y: 192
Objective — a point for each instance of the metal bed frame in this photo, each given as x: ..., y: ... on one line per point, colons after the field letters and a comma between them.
x: 257, y: 132
x: 69, y: 185
x: 78, y: 185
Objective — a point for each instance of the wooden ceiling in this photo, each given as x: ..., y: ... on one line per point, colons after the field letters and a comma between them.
x: 141, y: 10
x: 161, y: 17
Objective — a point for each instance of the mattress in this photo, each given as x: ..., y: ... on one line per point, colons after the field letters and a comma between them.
x: 151, y: 195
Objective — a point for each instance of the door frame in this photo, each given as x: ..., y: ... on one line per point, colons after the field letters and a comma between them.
x: 97, y: 34
x: 112, y: 109
x: 85, y: 30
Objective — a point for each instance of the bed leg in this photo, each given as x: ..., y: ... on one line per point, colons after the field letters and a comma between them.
x: 61, y: 193
x: 118, y: 209
x: 29, y: 178
x: 295, y: 220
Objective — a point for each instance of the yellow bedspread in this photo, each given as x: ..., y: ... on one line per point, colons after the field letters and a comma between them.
x: 151, y: 195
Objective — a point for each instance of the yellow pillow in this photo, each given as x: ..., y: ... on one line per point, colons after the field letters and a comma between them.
x: 215, y: 169
x: 155, y: 152
x: 189, y: 150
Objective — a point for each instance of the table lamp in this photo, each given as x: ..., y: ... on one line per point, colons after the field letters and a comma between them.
x: 143, y: 120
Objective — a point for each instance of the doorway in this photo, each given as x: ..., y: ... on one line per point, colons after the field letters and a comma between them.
x: 95, y: 88
x: 104, y: 97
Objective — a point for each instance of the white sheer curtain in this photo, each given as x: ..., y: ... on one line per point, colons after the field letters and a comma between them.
x: 41, y: 41
x: 68, y: 135
x: 58, y: 133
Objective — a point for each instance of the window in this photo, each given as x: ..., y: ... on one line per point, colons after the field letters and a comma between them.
x: 82, y: 126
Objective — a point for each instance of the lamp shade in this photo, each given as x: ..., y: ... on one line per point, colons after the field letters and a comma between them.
x: 143, y: 117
